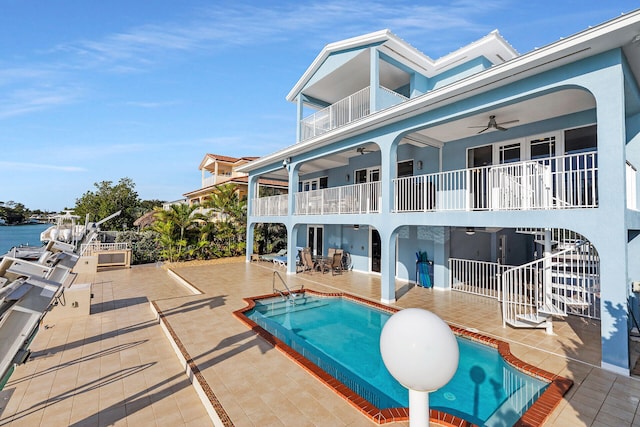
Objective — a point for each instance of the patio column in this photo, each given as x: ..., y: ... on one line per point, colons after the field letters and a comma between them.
x: 252, y: 184
x: 387, y: 266
x: 609, y: 91
x: 292, y: 239
x: 441, y: 250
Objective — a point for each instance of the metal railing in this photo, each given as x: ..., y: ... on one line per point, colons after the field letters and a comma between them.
x: 345, y: 111
x: 270, y: 206
x: 476, y: 277
x: 349, y: 199
x: 566, y: 281
x: 562, y: 182
x: 89, y: 249
x: 288, y: 294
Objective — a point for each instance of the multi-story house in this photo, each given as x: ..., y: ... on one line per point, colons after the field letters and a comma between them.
x: 219, y: 170
x: 515, y: 173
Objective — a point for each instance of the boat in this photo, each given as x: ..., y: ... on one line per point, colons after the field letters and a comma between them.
x: 28, y: 289
x: 25, y: 252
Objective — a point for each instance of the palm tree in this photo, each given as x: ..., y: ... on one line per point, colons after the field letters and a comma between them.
x: 232, y: 216
x: 173, y: 224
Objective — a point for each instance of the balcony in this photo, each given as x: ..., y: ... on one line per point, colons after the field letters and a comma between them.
x: 349, y: 199
x: 270, y: 206
x: 347, y: 110
x: 564, y: 182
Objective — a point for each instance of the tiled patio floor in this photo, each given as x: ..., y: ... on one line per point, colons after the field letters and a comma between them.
x: 115, y: 368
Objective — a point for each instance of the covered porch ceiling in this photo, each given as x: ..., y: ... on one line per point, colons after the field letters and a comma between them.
x: 525, y: 112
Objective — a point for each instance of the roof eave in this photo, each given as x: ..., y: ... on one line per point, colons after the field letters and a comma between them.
x: 483, y: 81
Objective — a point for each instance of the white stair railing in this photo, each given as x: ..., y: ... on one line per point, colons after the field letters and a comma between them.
x: 564, y: 282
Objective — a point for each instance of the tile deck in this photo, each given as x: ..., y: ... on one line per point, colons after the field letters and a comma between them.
x: 117, y: 367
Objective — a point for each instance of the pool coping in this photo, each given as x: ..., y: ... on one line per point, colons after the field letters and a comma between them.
x: 536, y: 415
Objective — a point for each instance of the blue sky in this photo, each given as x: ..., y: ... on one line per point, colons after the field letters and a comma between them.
x: 97, y: 91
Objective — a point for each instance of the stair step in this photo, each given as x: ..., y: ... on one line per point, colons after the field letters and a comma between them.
x: 523, y: 324
x: 570, y: 301
x: 551, y: 309
x: 532, y: 319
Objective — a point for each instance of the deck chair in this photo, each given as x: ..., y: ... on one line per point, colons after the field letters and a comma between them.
x: 307, y: 261
x: 336, y: 263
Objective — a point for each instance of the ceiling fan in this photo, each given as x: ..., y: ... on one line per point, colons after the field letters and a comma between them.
x: 363, y: 150
x: 493, y: 124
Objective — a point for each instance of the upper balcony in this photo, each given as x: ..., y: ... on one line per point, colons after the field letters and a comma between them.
x: 562, y: 182
x: 347, y: 110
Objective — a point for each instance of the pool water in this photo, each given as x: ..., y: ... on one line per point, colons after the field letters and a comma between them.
x: 343, y: 338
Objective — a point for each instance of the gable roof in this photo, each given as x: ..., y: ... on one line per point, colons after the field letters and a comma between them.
x: 492, y: 46
x: 209, y: 158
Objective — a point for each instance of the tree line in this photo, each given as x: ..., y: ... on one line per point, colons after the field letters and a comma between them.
x: 216, y: 228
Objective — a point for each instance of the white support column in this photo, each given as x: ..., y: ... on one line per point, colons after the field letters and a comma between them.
x: 374, y: 79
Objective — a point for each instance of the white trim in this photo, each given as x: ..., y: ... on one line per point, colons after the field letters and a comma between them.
x: 604, y: 37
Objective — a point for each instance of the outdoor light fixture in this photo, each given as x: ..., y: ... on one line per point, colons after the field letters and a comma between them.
x: 286, y: 162
x: 420, y: 351
x: 419, y: 165
x: 348, y: 177
x: 470, y: 231
x: 356, y: 227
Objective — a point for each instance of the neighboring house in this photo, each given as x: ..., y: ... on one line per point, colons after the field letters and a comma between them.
x: 515, y: 173
x: 219, y: 170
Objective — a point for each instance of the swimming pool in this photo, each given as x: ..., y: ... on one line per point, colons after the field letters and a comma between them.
x: 341, y: 337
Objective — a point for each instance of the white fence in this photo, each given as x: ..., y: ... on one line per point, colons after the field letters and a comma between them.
x: 270, y: 206
x: 348, y: 199
x: 89, y: 249
x: 345, y: 111
x: 476, y: 277
x: 562, y: 182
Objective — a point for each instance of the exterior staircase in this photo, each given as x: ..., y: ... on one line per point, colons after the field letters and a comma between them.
x: 564, y: 281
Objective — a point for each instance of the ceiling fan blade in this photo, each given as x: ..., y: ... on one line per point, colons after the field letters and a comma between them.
x: 471, y: 127
x: 485, y: 129
x: 500, y: 128
x: 508, y: 122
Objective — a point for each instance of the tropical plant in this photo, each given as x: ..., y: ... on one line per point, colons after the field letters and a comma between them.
x: 173, y: 226
x: 230, y: 216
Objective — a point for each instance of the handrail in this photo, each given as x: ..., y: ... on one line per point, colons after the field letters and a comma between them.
x: 290, y: 295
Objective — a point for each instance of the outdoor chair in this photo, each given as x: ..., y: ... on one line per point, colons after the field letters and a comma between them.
x: 336, y: 263
x: 307, y: 261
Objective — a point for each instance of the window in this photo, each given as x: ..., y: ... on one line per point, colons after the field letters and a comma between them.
x: 367, y: 175
x: 580, y: 140
x: 313, y: 184
x: 542, y: 148
x: 509, y: 153
x: 480, y: 156
x: 405, y: 168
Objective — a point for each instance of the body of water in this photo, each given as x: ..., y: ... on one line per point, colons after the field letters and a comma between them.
x: 15, y: 235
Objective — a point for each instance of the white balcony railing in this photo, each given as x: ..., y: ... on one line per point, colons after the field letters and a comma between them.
x: 563, y: 182
x: 270, y: 206
x: 89, y: 249
x: 345, y: 111
x: 348, y: 199
x: 476, y: 277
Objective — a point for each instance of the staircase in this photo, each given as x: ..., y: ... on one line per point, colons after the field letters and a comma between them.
x: 565, y: 281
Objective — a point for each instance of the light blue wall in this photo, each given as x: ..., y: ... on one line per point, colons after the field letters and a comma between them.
x: 459, y: 72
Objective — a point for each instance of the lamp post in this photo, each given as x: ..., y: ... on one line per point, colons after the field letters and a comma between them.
x: 420, y: 351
